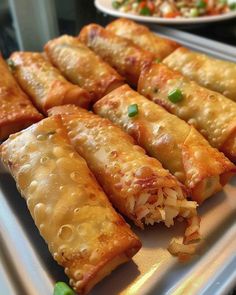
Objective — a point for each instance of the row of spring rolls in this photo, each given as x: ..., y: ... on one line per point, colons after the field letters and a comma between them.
x: 176, y: 144
x: 83, y: 232
x: 47, y: 171
x: 212, y: 73
x: 202, y: 183
x: 136, y: 184
x: 90, y: 79
x: 210, y: 112
x: 200, y: 186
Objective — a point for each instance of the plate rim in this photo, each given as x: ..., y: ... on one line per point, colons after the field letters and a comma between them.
x: 150, y: 19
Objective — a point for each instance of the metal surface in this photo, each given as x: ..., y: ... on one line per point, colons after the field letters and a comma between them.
x: 27, y: 267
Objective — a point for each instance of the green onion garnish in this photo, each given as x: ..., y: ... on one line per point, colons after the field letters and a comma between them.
x: 175, y: 95
x: 116, y: 4
x: 132, y: 110
x: 194, y: 12
x: 201, y: 4
x: 11, y: 65
x: 62, y: 288
x: 232, y: 6
x: 145, y: 11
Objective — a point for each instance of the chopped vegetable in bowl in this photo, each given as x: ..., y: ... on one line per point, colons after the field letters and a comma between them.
x: 175, y: 8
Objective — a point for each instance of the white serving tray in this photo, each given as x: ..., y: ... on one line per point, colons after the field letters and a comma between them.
x: 27, y: 268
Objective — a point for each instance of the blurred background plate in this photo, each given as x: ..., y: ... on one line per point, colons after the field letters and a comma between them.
x: 106, y: 7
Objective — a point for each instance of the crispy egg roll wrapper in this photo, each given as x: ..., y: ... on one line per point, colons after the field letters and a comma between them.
x: 16, y: 110
x: 177, y: 145
x: 142, y: 37
x: 82, y: 66
x: 44, y: 83
x: 122, y: 54
x: 83, y: 232
x: 136, y: 184
x: 212, y: 114
x: 215, y: 74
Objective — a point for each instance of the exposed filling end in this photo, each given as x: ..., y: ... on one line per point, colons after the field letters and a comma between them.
x: 162, y: 205
x: 192, y: 234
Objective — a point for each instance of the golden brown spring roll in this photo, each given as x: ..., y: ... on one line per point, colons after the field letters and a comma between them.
x: 16, y: 110
x: 44, y: 83
x: 142, y: 37
x: 83, y: 232
x: 137, y: 185
x: 212, y: 73
x: 82, y: 67
x: 122, y: 54
x: 209, y: 112
x: 177, y: 145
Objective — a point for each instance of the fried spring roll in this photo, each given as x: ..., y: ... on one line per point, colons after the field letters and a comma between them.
x: 177, y: 145
x: 82, y: 67
x: 212, y: 73
x: 136, y: 184
x: 209, y: 112
x: 83, y: 232
x: 142, y: 37
x: 44, y: 83
x: 122, y: 54
x: 16, y: 110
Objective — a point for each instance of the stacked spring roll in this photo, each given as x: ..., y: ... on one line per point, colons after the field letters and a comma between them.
x: 142, y: 37
x: 212, y: 73
x: 44, y: 83
x: 136, y: 184
x: 210, y: 112
x: 82, y: 67
x: 177, y: 145
x: 83, y: 232
x: 122, y: 54
x: 16, y: 110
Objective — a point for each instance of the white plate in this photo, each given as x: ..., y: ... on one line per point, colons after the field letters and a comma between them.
x: 106, y: 7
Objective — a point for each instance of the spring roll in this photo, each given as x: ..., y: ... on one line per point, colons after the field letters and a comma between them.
x: 217, y: 75
x: 122, y: 54
x: 16, y: 110
x: 44, y: 83
x: 209, y: 112
x: 83, y: 232
x: 177, y: 145
x: 82, y: 67
x: 142, y: 37
x: 137, y: 185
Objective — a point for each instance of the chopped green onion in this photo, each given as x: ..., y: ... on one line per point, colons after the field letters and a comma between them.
x: 11, y: 65
x: 62, y: 288
x: 175, y: 95
x: 145, y: 11
x: 116, y: 4
x: 232, y: 6
x: 194, y: 12
x: 201, y: 4
x: 132, y: 110
x: 157, y: 60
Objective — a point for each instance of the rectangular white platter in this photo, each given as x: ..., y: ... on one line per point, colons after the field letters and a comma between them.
x: 27, y: 268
